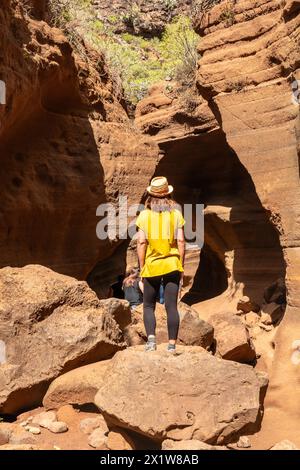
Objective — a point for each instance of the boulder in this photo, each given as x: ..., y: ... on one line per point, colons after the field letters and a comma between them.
x: 189, y: 395
x: 285, y: 445
x: 53, y: 325
x: 192, y: 331
x: 77, y: 387
x: 119, y: 310
x: 232, y: 338
x: 168, y: 444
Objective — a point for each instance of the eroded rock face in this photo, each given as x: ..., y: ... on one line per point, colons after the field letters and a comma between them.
x: 66, y: 147
x: 192, y: 395
x: 49, y: 324
x: 247, y: 73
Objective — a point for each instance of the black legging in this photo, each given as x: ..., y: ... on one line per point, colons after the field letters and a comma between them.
x: 151, y: 289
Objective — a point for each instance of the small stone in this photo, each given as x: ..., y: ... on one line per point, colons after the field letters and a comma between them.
x: 57, y: 427
x: 97, y: 439
x: 33, y: 429
x: 285, y: 445
x: 244, y: 442
x: 88, y: 425
x: 44, y: 419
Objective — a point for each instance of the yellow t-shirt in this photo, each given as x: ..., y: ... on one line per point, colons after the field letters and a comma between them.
x: 162, y: 255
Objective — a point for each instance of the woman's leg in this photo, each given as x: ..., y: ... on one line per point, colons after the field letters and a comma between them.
x: 151, y: 289
x: 171, y: 283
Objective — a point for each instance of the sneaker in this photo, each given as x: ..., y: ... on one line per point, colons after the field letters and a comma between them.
x: 171, y: 348
x: 151, y: 344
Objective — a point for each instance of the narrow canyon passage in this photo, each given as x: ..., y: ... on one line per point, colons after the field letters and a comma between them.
x: 241, y: 252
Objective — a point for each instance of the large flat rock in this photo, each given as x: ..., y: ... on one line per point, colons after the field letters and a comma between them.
x: 191, y: 395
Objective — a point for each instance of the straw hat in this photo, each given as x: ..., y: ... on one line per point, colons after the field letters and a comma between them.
x: 159, y: 187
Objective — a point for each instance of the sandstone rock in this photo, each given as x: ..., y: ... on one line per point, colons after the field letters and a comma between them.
x: 118, y: 439
x: 57, y: 427
x: 243, y: 442
x: 242, y: 68
x: 43, y: 419
x: 67, y: 414
x: 232, y: 338
x: 272, y: 313
x: 119, y: 310
x: 97, y: 439
x: 77, y: 159
x: 88, y: 425
x: 58, y: 325
x: 76, y: 387
x: 285, y: 445
x: 33, y: 430
x: 48, y: 420
x: 168, y: 444
x: 194, y: 394
x: 246, y: 305
x: 192, y: 332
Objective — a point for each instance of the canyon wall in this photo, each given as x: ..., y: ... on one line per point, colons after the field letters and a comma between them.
x: 247, y: 72
x: 66, y: 146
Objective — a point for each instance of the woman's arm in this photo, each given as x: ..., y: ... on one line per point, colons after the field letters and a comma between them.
x: 141, y: 247
x: 181, y: 244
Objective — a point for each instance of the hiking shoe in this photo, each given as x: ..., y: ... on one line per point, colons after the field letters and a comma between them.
x: 151, y: 344
x: 171, y: 348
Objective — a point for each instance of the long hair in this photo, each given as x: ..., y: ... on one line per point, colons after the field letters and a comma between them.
x: 131, y: 277
x: 161, y: 204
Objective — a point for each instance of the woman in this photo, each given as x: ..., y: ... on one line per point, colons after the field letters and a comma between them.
x: 131, y: 289
x: 161, y: 249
